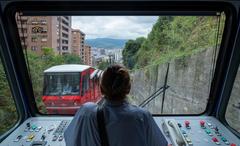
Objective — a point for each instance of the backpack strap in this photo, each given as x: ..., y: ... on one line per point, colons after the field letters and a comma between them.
x: 101, y: 127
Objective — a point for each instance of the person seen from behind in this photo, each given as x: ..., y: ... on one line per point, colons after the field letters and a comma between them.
x: 125, y: 124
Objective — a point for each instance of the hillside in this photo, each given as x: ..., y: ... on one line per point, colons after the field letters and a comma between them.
x: 107, y: 43
x: 174, y: 37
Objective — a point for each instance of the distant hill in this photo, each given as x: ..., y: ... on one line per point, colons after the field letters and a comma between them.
x: 107, y: 43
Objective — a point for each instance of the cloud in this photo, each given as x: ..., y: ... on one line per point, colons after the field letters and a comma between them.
x: 122, y: 27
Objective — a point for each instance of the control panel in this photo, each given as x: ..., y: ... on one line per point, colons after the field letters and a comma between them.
x: 179, y: 131
x: 196, y: 131
x: 42, y: 131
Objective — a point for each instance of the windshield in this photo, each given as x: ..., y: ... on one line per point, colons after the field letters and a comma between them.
x: 171, y: 59
x: 62, y: 84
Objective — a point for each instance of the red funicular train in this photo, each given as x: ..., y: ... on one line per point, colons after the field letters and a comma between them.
x: 67, y: 87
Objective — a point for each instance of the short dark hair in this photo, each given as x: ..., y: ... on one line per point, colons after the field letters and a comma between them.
x: 115, y: 82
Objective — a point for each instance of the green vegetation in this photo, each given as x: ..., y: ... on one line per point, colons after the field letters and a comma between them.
x: 103, y: 65
x: 173, y: 37
x: 129, y: 51
x: 8, y: 114
x: 37, y: 64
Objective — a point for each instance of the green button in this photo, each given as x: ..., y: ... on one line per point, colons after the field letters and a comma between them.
x: 34, y: 127
x: 207, y: 131
x: 223, y: 139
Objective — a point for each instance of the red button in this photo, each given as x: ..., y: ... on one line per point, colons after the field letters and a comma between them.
x: 233, y: 144
x: 215, y: 139
x: 187, y: 123
x: 202, y: 123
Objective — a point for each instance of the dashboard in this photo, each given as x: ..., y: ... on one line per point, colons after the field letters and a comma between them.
x: 179, y: 131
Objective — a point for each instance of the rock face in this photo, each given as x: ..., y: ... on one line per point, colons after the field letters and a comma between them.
x: 189, y: 81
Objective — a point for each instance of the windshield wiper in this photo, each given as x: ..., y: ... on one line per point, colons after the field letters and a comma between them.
x: 153, y: 96
x: 158, y: 92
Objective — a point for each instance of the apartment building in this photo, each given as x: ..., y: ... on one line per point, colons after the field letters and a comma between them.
x: 64, y: 33
x: 87, y: 55
x: 38, y: 32
x: 22, y: 29
x: 78, y: 38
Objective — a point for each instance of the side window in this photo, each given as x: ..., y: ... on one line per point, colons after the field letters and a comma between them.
x: 87, y: 81
x: 8, y: 113
x: 233, y: 108
x: 83, y: 84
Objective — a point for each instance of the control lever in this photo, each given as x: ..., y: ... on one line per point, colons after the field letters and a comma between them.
x: 173, y: 131
x: 179, y: 138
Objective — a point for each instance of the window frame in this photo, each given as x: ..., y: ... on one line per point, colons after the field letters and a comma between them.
x: 12, y: 79
x: 224, y: 112
x: 128, y: 8
x: 18, y: 107
x: 232, y: 71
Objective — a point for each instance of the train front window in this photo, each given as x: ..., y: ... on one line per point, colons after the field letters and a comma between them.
x: 171, y: 59
x: 62, y: 84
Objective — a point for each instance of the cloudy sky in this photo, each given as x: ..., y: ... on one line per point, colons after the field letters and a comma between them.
x: 121, y: 27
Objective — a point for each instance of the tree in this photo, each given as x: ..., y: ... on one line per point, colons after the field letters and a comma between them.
x: 71, y: 59
x: 130, y: 50
x: 175, y: 36
x: 38, y: 63
x: 103, y: 65
x: 48, y: 51
x: 8, y: 113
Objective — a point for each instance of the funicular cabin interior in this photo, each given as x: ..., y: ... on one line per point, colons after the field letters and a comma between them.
x: 40, y: 118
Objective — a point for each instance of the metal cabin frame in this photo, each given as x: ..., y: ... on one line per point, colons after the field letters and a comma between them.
x: 15, y: 66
